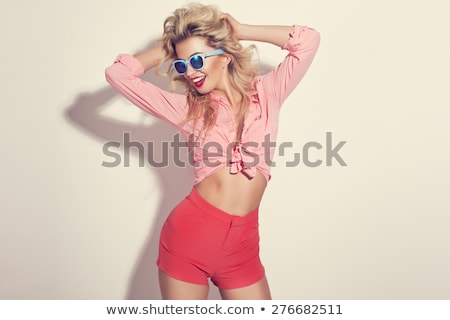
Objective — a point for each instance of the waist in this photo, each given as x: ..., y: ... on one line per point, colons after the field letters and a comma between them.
x: 251, y: 218
x: 233, y: 193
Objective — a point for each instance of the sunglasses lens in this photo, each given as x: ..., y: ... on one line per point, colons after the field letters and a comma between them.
x: 180, y: 67
x: 196, y: 62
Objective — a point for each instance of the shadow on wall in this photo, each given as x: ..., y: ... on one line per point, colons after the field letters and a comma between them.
x: 85, y: 114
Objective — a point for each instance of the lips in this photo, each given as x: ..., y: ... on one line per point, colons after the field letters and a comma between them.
x: 199, y: 81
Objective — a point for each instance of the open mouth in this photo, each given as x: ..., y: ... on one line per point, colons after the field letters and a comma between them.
x: 198, y: 82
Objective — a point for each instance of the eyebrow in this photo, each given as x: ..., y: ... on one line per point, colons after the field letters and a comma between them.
x: 191, y: 55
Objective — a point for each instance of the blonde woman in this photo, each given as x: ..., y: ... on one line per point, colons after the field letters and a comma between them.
x: 229, y: 113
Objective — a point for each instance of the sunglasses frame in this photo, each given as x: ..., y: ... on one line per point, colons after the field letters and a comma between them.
x: 202, y: 55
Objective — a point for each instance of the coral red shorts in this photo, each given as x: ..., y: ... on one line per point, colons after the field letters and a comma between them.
x: 199, y: 241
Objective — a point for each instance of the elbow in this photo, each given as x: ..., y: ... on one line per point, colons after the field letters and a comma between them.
x: 317, y: 38
x: 313, y: 37
x: 115, y: 76
x: 120, y: 72
x: 309, y: 41
x: 110, y: 75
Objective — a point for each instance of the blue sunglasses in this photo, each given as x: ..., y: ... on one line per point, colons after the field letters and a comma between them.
x: 196, y: 61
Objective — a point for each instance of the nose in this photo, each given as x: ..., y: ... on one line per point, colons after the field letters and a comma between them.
x: 189, y: 70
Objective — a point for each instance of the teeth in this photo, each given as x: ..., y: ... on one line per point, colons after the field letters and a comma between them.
x: 198, y: 79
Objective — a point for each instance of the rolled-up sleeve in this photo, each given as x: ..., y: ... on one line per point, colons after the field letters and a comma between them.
x: 124, y: 75
x: 302, y: 45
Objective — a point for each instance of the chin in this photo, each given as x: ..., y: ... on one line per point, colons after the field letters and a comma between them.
x: 203, y: 90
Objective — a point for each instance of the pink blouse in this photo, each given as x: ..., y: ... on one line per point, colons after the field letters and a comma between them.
x: 217, y: 149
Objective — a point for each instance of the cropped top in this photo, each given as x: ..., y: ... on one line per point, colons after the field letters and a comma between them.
x: 217, y: 148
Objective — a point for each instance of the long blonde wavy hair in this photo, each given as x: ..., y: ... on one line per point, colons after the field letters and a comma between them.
x: 205, y: 21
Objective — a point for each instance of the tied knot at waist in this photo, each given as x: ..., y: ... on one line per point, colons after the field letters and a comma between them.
x: 240, y: 158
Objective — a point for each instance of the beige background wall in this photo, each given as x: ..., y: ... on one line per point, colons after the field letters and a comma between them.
x: 376, y: 229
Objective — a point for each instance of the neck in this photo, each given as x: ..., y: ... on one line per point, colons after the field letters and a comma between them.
x: 227, y: 91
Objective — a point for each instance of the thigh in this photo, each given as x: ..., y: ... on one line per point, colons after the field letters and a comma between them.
x: 173, y: 289
x: 257, y: 291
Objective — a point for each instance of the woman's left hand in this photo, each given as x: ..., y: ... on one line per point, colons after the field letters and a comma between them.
x: 236, y: 26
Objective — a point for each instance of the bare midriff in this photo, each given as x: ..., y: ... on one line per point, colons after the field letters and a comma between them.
x: 235, y: 194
